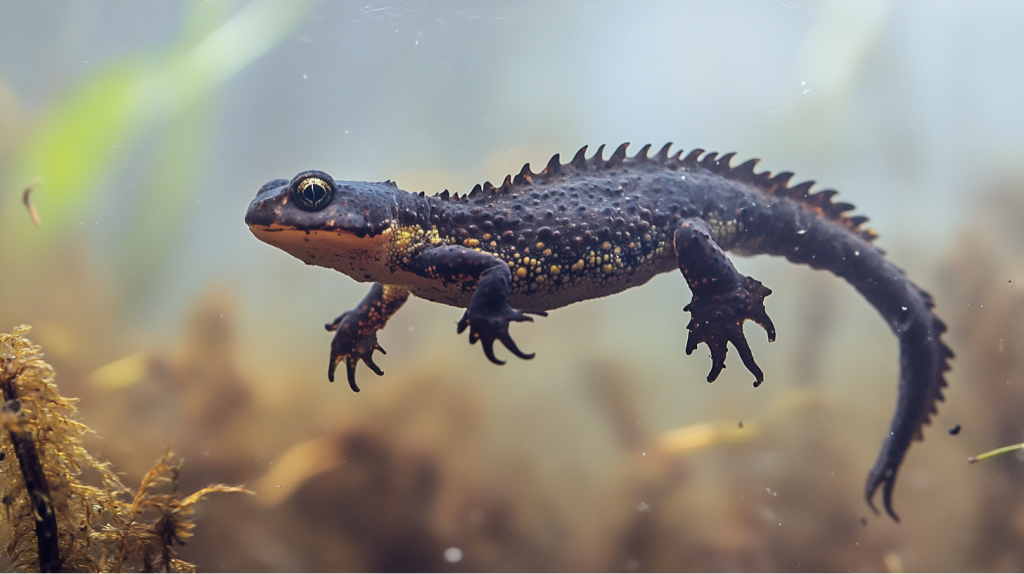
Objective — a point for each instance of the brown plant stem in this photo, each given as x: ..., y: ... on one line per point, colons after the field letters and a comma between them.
x: 32, y: 471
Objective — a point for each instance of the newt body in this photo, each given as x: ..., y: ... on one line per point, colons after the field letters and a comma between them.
x: 594, y: 227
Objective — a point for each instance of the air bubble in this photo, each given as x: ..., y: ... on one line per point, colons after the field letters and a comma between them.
x: 453, y: 555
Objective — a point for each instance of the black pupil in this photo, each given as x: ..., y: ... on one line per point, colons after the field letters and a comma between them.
x: 314, y: 193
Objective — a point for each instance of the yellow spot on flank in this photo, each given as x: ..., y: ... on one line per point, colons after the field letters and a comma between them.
x: 541, y: 278
x: 540, y: 246
x: 521, y: 272
x: 471, y: 242
x: 434, y: 236
x: 606, y: 245
x: 617, y: 250
x: 487, y: 237
x: 578, y: 265
x: 607, y: 268
x: 555, y: 269
x: 547, y: 252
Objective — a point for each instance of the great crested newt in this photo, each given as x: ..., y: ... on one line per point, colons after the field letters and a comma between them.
x: 594, y: 227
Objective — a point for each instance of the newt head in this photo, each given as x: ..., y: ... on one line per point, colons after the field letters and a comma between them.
x: 323, y: 221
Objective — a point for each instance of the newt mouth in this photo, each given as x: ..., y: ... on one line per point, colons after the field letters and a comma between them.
x: 273, y: 211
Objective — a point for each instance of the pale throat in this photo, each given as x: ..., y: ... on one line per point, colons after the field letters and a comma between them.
x: 357, y: 257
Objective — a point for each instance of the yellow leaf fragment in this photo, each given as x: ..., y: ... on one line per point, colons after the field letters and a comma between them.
x: 297, y: 465
x: 121, y: 373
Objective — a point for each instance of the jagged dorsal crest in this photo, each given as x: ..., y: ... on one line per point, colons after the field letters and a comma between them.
x: 777, y: 184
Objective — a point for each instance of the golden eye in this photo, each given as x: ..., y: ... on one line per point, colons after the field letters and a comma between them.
x: 312, y: 190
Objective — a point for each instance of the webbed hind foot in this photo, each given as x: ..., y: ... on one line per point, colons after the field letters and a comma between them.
x: 717, y: 319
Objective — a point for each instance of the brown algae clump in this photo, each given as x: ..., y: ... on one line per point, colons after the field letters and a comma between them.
x: 52, y: 520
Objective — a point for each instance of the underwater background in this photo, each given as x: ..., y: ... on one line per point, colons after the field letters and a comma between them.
x: 151, y: 125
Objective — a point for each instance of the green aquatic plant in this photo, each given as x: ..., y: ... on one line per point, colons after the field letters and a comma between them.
x: 93, y: 127
x: 53, y: 519
x: 995, y: 452
x: 71, y: 148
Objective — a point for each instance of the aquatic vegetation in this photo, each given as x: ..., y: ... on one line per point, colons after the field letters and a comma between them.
x: 984, y: 270
x: 114, y: 106
x: 54, y: 519
x: 996, y: 452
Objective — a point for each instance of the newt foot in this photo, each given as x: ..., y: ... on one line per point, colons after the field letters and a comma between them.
x: 352, y: 346
x: 718, y: 319
x: 488, y: 326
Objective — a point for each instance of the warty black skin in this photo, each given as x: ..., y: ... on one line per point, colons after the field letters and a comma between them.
x: 594, y: 227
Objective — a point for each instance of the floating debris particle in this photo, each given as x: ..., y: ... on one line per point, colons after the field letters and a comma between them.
x: 28, y: 202
x: 955, y: 429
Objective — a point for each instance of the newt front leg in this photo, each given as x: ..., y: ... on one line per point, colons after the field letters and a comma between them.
x: 722, y: 298
x: 355, y: 338
x: 489, y: 312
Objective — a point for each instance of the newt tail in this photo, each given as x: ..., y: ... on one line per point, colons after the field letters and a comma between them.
x: 924, y: 358
x: 594, y: 227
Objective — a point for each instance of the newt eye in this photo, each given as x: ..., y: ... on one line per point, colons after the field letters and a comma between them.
x: 312, y: 190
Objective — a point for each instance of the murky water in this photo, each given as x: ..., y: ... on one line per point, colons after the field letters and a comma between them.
x: 153, y: 125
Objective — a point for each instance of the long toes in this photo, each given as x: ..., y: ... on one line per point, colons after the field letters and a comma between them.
x: 718, y: 352
x: 488, y: 345
x: 691, y: 343
x: 333, y: 325
x: 335, y: 359
x: 373, y: 366
x: 506, y: 339
x: 350, y: 366
x: 765, y: 322
x: 740, y: 342
x: 769, y: 327
x: 463, y: 323
x: 716, y: 369
x: 520, y: 316
x: 537, y: 313
x: 887, y: 497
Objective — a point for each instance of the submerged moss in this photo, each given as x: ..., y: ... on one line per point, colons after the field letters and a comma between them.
x: 53, y: 520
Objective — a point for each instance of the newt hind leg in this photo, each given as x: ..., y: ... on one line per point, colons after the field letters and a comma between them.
x: 722, y: 298
x: 489, y: 313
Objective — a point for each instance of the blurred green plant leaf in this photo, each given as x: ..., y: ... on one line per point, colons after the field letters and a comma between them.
x: 996, y: 452
x: 87, y: 130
